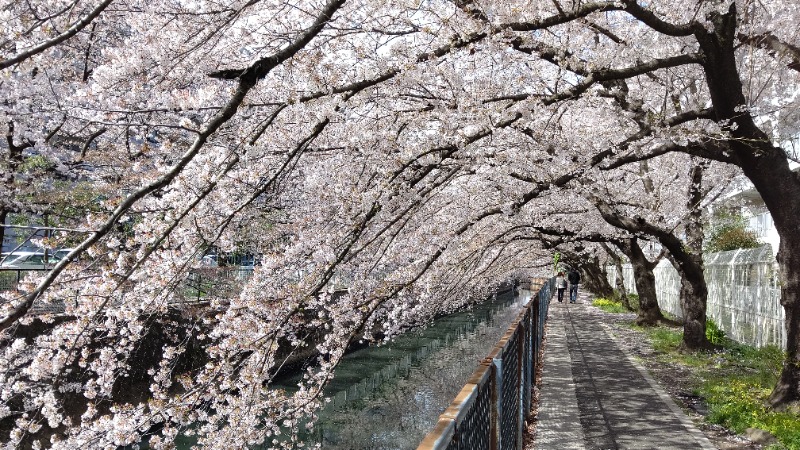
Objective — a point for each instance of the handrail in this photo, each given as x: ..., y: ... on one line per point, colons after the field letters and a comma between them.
x: 491, y: 409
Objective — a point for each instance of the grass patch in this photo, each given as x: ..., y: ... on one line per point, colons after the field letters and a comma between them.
x: 737, y: 391
x: 607, y: 305
x: 735, y: 382
x: 633, y: 299
x: 666, y: 341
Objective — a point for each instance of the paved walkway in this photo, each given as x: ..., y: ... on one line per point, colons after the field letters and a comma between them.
x: 595, y: 396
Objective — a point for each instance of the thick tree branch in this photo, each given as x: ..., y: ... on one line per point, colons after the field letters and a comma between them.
x: 638, y: 225
x: 89, y: 141
x: 263, y: 66
x: 563, y: 17
x: 71, y: 31
x: 715, y: 150
x: 651, y: 20
x: 247, y: 80
x: 599, y: 76
x: 774, y: 46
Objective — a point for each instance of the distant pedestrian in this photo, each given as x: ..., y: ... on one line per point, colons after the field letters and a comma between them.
x: 574, y: 279
x: 561, y: 285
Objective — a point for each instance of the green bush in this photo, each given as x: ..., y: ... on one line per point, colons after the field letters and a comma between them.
x: 729, y: 231
x: 608, y: 305
x: 633, y: 299
x: 713, y: 333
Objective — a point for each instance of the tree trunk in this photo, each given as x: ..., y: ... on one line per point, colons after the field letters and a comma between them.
x: 595, y: 278
x: 787, y: 390
x: 619, y: 280
x: 694, y: 294
x: 620, y: 285
x: 779, y: 187
x: 767, y: 167
x: 649, y: 311
x: 694, y: 291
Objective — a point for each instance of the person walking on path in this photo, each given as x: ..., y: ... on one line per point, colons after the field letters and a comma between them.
x: 574, y: 278
x: 561, y: 285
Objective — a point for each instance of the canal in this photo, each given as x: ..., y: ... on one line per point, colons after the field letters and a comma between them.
x: 390, y: 396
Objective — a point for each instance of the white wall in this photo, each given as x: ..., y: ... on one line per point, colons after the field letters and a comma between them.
x: 743, y: 294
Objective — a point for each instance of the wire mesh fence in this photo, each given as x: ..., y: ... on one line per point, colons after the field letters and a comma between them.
x: 10, y: 278
x: 743, y: 294
x: 491, y: 409
x: 201, y: 284
x: 198, y: 286
x: 11, y: 281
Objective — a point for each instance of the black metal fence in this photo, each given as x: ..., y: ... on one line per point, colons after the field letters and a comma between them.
x: 490, y: 411
x: 198, y: 286
x: 214, y: 282
x: 10, y: 278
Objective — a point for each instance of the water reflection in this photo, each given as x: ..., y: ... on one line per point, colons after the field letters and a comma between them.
x: 389, y: 397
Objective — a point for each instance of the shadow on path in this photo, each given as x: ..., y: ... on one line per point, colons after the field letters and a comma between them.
x: 594, y: 396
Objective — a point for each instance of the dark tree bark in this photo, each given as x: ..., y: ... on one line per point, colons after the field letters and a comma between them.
x: 694, y: 291
x: 689, y: 266
x: 619, y: 280
x: 767, y: 168
x: 649, y: 313
x: 595, y: 277
x: 14, y: 161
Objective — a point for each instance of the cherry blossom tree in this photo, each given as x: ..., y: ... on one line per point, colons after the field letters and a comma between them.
x: 730, y: 70
x: 405, y: 150
x: 679, y: 231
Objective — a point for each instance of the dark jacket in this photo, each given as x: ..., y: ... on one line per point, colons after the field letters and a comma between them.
x: 574, y: 277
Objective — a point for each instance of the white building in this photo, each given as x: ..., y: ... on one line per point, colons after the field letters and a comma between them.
x: 759, y: 218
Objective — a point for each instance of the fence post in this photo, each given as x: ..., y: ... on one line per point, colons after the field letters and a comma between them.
x: 535, y: 336
x: 520, y: 381
x: 493, y: 435
x: 497, y: 403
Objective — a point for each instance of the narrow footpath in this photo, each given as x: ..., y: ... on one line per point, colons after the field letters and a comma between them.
x: 595, y: 396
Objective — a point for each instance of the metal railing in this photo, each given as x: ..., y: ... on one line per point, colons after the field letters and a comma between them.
x: 10, y: 278
x: 490, y: 411
x: 214, y: 282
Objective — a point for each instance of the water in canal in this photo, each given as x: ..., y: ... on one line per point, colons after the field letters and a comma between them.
x: 389, y: 397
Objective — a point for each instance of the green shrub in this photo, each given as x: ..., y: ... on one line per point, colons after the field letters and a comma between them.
x: 608, y: 305
x: 713, y: 333
x: 729, y: 231
x: 738, y: 403
x: 633, y: 299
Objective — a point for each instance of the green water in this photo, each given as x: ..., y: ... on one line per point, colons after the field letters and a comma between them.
x: 388, y: 397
